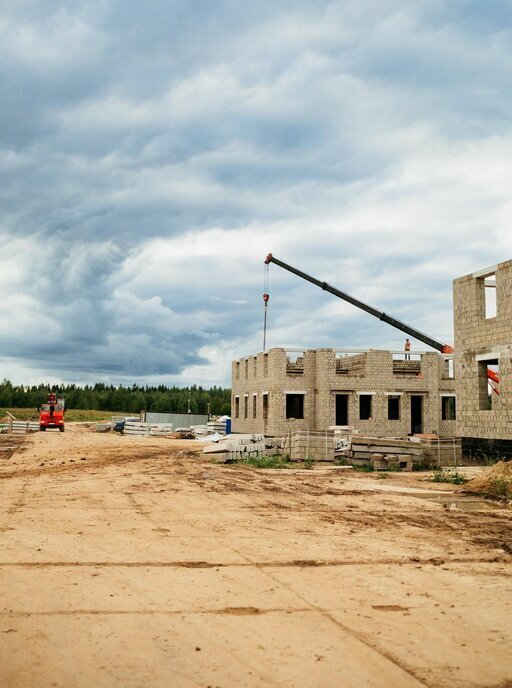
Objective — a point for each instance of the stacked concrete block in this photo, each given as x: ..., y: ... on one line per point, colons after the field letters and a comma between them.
x: 319, y: 375
x: 482, y: 339
x: 312, y: 446
x: 442, y: 452
x: 386, y: 462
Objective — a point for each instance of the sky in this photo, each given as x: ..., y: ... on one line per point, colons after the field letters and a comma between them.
x: 152, y: 154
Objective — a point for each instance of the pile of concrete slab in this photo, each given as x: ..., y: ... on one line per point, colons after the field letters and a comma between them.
x: 137, y: 429
x: 383, y: 453
x: 237, y: 447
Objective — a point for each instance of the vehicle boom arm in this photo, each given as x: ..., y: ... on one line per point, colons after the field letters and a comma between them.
x: 413, y: 332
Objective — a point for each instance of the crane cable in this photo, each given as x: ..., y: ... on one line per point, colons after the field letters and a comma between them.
x: 265, y: 301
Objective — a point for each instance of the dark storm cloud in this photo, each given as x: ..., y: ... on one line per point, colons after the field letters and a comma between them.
x: 152, y: 153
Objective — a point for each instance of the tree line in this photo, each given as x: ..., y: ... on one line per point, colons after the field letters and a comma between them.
x: 101, y: 397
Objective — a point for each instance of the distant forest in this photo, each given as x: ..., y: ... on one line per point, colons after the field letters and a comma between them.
x: 124, y: 399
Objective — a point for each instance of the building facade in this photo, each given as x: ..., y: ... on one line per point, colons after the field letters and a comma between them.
x: 483, y: 340
x: 377, y: 393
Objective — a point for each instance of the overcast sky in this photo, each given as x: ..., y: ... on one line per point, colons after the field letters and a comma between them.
x: 153, y: 153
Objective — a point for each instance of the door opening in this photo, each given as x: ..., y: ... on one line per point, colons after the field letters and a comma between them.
x: 416, y: 414
x: 341, y: 409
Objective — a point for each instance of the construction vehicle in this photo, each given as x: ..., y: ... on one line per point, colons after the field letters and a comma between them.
x: 51, y: 413
x: 492, y: 376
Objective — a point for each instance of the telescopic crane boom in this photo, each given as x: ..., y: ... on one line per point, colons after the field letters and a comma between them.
x: 394, y: 322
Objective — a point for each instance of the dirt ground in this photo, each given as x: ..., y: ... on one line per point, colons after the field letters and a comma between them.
x: 135, y: 562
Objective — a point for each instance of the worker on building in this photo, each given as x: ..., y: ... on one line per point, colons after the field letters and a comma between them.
x: 407, y: 347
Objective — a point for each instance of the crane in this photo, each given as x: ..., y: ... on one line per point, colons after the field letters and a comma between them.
x: 493, y: 377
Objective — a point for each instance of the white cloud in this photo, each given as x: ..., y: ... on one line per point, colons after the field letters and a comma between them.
x: 149, y: 161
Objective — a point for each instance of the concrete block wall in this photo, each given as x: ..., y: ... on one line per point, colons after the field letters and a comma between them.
x: 324, y: 375
x: 479, y: 338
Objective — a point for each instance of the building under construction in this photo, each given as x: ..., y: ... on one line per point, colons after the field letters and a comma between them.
x: 391, y: 394
x: 483, y: 340
x: 377, y: 393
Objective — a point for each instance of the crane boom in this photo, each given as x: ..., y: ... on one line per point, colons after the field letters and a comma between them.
x: 394, y: 322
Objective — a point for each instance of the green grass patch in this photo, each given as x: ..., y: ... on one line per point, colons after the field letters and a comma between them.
x: 273, y: 461
x: 448, y: 475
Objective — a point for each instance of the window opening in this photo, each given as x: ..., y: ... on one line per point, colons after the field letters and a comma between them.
x: 394, y: 407
x: 490, y: 296
x: 295, y: 406
x: 486, y: 395
x: 448, y: 408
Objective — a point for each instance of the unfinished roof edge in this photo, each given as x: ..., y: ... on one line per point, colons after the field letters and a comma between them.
x: 345, y: 350
x: 485, y: 272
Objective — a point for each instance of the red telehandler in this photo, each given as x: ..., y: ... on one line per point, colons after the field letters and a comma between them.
x: 51, y: 414
x: 493, y: 377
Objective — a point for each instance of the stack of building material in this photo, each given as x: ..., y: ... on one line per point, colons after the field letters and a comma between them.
x: 367, y: 449
x: 160, y: 430
x: 442, y: 451
x: 238, y: 447
x: 218, y: 425
x: 20, y: 427
x: 136, y: 429
x: 146, y: 429
x: 198, y: 430
x: 386, y: 462
x: 316, y: 446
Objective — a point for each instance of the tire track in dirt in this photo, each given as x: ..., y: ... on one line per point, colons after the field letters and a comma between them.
x: 16, y: 506
x: 301, y: 563
x: 328, y: 615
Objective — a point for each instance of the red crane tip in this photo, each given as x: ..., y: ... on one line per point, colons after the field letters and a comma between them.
x: 268, y: 259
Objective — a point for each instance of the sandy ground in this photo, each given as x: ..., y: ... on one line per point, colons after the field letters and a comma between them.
x: 134, y: 562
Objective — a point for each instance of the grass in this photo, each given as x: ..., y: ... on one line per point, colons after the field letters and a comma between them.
x: 494, y: 483
x: 72, y: 415
x: 448, y: 475
x: 273, y: 461
x: 499, y: 488
x: 309, y: 462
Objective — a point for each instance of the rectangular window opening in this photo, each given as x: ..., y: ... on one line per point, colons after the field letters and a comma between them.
x: 394, y: 407
x: 237, y: 407
x: 237, y: 370
x: 265, y: 407
x: 448, y: 408
x: 295, y: 406
x: 246, y: 368
x: 365, y: 407
x: 489, y: 283
x: 488, y: 376
x: 255, y: 369
x: 246, y: 406
x: 254, y: 402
